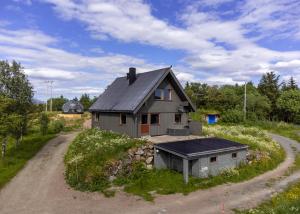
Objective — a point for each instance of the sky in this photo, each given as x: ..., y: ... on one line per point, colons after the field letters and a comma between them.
x: 83, y: 45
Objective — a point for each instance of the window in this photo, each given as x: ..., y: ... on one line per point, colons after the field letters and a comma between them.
x: 213, y: 159
x: 123, y: 118
x: 97, y: 117
x: 177, y: 118
x: 158, y: 95
x: 234, y: 155
x: 167, y: 94
x: 144, y: 119
x: 154, y: 119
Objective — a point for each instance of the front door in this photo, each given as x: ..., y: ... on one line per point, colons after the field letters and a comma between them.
x: 144, y: 124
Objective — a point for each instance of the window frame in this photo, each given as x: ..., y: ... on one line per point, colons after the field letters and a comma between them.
x: 161, y: 94
x: 158, y: 118
x: 234, y: 154
x: 169, y: 91
x: 213, y: 159
x: 97, y: 116
x: 179, y: 119
x: 121, y: 119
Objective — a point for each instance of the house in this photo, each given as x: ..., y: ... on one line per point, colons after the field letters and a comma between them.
x: 73, y: 107
x: 199, y: 157
x: 151, y: 103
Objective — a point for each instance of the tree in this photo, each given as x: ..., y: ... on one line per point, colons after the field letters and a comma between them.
x: 289, y: 104
x: 85, y: 101
x: 269, y: 86
x: 290, y: 85
x: 58, y: 102
x: 15, y: 85
x: 5, y: 119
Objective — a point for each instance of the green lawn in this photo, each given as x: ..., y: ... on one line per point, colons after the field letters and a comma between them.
x: 16, y: 158
x: 91, y: 153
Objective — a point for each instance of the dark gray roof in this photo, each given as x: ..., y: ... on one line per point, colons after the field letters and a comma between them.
x: 202, y: 146
x: 72, y: 106
x: 122, y: 97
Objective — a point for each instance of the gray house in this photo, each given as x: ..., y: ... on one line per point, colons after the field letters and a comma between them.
x: 150, y: 103
x: 199, y: 157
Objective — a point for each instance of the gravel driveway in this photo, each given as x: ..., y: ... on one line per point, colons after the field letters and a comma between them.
x: 40, y: 188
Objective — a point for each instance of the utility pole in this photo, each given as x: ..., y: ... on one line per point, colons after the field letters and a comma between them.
x: 245, y: 102
x: 49, y: 84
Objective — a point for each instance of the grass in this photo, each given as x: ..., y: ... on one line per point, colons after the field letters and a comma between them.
x: 91, y: 154
x: 93, y: 151
x: 16, y: 158
x: 287, y: 202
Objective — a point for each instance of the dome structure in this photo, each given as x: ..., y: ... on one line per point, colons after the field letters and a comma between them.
x: 73, y: 107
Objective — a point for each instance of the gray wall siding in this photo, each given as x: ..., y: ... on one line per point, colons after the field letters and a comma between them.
x: 166, y: 110
x: 111, y: 121
x: 224, y: 161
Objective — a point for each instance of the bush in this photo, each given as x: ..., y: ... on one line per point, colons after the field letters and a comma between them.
x: 57, y: 126
x: 232, y: 116
x: 44, y: 121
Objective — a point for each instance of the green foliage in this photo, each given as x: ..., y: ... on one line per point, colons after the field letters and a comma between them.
x: 289, y: 104
x: 89, y: 155
x: 57, y: 126
x: 86, y: 101
x: 16, y: 158
x: 57, y: 103
x: 44, y: 122
x: 232, y: 116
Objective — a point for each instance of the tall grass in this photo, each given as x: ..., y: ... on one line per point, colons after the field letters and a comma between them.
x: 16, y: 158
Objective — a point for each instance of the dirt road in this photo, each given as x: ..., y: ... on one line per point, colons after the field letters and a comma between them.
x: 40, y: 188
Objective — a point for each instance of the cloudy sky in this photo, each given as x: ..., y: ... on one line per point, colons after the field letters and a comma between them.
x: 84, y: 44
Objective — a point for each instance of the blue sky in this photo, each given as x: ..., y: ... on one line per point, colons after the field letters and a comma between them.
x: 84, y: 44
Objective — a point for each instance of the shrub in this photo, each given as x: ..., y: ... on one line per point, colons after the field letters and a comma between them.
x: 44, y: 121
x: 232, y: 116
x: 57, y: 126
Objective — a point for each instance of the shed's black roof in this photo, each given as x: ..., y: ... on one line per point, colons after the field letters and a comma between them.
x: 122, y: 97
x: 202, y: 146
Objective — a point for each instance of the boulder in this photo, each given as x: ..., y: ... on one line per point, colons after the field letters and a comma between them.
x: 139, y: 151
x: 149, y: 160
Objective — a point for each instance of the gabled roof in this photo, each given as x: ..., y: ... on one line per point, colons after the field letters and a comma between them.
x: 122, y: 97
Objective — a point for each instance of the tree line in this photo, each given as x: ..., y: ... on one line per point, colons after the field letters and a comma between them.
x: 270, y: 100
x: 58, y: 102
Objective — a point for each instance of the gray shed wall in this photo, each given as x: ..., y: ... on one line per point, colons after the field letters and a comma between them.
x: 201, y: 167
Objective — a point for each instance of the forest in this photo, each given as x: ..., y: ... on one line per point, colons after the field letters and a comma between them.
x: 271, y: 100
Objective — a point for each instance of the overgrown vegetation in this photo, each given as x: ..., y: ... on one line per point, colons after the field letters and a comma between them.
x: 93, y: 150
x: 287, y: 202
x: 89, y: 156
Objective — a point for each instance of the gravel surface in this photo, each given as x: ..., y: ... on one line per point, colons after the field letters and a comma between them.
x: 40, y: 188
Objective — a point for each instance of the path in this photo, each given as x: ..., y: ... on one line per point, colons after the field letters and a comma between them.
x: 40, y: 188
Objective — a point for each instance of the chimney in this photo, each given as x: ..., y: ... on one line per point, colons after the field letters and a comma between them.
x: 131, y: 75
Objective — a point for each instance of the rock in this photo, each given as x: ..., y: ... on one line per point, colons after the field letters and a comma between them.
x: 149, y: 166
x: 149, y: 160
x: 111, y: 178
x: 137, y: 157
x: 139, y: 152
x: 150, y: 146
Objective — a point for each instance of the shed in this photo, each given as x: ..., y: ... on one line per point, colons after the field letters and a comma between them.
x: 212, y: 118
x: 73, y: 107
x: 199, y: 157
